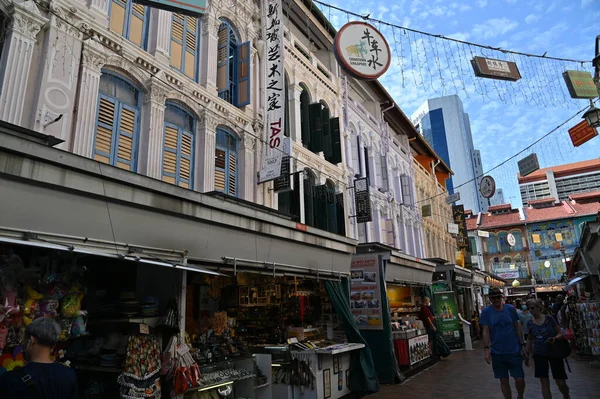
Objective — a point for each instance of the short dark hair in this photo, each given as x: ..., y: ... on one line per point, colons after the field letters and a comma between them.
x: 45, y: 330
x: 495, y: 291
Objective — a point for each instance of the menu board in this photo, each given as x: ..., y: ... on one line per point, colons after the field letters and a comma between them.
x: 446, y: 315
x: 365, y: 292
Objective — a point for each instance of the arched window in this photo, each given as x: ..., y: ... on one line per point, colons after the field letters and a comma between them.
x: 130, y: 20
x: 117, y: 123
x: 518, y: 240
x: 233, y: 66
x: 185, y: 45
x: 309, y: 194
x: 503, y: 242
x: 226, y: 157
x: 305, y: 116
x: 178, y: 146
x: 492, y: 244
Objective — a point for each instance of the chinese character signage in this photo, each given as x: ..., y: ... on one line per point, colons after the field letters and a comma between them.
x: 580, y: 84
x: 495, y: 69
x: 277, y: 145
x: 528, y: 165
x: 582, y: 133
x: 194, y: 8
x: 365, y: 292
x: 362, y: 51
x: 458, y: 212
x: 362, y: 201
x: 487, y: 186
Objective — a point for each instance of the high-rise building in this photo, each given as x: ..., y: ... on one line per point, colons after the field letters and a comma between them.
x: 498, y: 197
x: 446, y: 127
x: 560, y: 181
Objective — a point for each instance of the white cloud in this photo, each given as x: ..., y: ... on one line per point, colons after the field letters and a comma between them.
x: 464, y: 36
x: 552, y: 7
x: 585, y: 3
x: 493, y: 28
x: 482, y: 3
x: 531, y: 18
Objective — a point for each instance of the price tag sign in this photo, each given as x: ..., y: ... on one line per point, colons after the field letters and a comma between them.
x: 182, y: 349
x: 144, y: 329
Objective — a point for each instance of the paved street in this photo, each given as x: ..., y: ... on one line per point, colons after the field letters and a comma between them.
x: 466, y: 375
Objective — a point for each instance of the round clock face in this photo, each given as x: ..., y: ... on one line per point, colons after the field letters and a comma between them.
x: 487, y: 186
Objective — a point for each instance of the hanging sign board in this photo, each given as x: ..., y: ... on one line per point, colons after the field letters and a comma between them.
x: 362, y: 201
x: 528, y: 165
x: 495, y: 69
x: 426, y: 210
x: 362, y: 51
x: 278, y: 146
x: 458, y: 212
x: 580, y: 84
x: 482, y: 233
x: 511, y: 240
x: 283, y: 183
x: 452, y: 228
x: 365, y: 292
x: 582, y: 133
x: 487, y: 186
x: 194, y: 8
x: 453, y: 198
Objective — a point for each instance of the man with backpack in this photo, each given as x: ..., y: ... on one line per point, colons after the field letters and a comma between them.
x: 41, y: 378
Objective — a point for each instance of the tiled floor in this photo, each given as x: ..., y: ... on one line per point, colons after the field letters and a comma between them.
x: 466, y: 375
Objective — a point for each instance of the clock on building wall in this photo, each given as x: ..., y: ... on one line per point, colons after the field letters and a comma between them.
x: 487, y: 186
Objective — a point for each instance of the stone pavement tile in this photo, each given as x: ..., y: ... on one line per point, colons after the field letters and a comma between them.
x: 466, y: 375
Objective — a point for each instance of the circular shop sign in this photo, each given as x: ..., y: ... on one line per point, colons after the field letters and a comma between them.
x: 510, y: 238
x: 362, y: 51
x: 487, y: 186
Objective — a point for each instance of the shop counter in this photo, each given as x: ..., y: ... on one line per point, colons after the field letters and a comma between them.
x: 411, y: 346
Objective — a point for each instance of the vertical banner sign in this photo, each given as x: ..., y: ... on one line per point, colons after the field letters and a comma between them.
x: 362, y: 201
x: 275, y: 104
x: 446, y: 315
x: 458, y: 212
x: 365, y: 292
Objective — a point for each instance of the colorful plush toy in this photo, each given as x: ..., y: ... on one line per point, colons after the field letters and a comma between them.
x: 10, y: 361
x: 49, y: 307
x: 31, y: 305
x: 71, y: 305
x: 3, y: 336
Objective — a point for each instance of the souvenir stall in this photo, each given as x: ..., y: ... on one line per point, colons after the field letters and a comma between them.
x: 274, y: 334
x: 586, y: 326
x: 117, y: 311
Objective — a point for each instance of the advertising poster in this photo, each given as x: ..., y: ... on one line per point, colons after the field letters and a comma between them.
x: 446, y: 315
x: 365, y: 292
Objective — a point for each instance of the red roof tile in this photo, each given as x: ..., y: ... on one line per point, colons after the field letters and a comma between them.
x: 499, y: 220
x: 472, y: 223
x: 562, y: 170
x: 500, y: 207
x: 541, y: 201
x: 585, y: 196
x: 565, y: 210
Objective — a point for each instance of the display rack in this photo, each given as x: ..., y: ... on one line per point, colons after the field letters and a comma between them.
x: 590, y: 323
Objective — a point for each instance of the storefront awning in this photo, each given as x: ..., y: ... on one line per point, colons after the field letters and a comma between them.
x: 405, y: 269
x: 575, y: 281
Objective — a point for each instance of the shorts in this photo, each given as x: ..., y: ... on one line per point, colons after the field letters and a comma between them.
x: 543, y: 364
x: 505, y: 364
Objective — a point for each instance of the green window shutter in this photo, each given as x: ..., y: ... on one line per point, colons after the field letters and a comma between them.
x: 327, y: 151
x: 305, y: 118
x: 316, y: 128
x: 295, y: 197
x: 341, y: 217
x: 243, y: 75
x: 320, y: 207
x: 331, y: 210
x: 336, y: 146
x: 309, y: 202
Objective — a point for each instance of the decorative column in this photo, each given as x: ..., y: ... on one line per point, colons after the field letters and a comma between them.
x: 162, y: 36
x: 294, y: 92
x: 361, y: 155
x: 372, y: 171
x: 208, y: 51
x: 247, y: 163
x: 152, y: 130
x: 377, y: 236
x: 87, y: 104
x: 15, y: 64
x: 206, y: 158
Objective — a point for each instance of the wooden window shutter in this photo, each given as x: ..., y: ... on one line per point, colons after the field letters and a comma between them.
x: 169, y: 163
x: 336, y: 142
x: 127, y: 129
x: 321, y: 207
x: 316, y: 128
x: 309, y: 202
x: 223, y: 59
x: 177, y: 30
x: 331, y: 211
x: 327, y: 151
x: 136, y: 24
x: 186, y: 156
x: 385, y: 184
x: 305, y: 118
x: 341, y: 215
x: 389, y: 232
x: 407, y: 198
x: 118, y: 16
x: 377, y: 160
x: 232, y: 174
x: 220, y: 171
x: 243, y: 75
x: 295, y: 197
x: 103, y: 143
x: 191, y: 47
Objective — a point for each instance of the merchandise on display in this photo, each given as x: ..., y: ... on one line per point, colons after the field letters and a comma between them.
x: 590, y: 322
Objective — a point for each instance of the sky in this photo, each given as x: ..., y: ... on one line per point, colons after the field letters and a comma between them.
x: 505, y: 117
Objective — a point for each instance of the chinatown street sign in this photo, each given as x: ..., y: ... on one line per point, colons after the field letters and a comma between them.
x: 528, y: 165
x: 453, y: 198
x: 582, y: 133
x: 495, y: 69
x: 487, y: 187
x: 580, y: 84
x: 362, y: 51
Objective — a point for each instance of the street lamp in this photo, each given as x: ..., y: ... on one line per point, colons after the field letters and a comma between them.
x: 592, y: 115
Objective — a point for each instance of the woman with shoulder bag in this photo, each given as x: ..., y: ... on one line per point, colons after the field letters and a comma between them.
x: 545, y: 341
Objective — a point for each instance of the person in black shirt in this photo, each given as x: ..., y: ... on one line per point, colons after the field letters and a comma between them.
x: 41, y: 378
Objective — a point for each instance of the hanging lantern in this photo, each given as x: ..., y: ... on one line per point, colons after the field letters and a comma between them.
x: 516, y: 283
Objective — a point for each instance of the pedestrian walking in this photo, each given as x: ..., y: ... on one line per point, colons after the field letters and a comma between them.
x: 41, y: 378
x: 524, y: 318
x: 543, y: 333
x: 503, y: 342
x: 427, y: 318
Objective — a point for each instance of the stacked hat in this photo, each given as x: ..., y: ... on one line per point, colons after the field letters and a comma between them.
x: 127, y: 305
x: 149, y: 307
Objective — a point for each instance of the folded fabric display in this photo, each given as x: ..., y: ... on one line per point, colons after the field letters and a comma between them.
x: 140, y: 377
x: 127, y: 305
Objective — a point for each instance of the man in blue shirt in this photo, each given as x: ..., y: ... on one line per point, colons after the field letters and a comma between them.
x: 503, y: 343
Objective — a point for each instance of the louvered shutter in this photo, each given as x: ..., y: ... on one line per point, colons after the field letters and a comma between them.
x: 385, y: 184
x: 336, y: 142
x: 243, y: 75
x: 186, y: 159
x: 136, y: 24
x: 190, y: 47
x: 341, y: 216
x: 389, y: 232
x: 103, y: 144
x: 407, y: 198
x: 220, y: 171
x: 177, y: 30
x: 331, y: 211
x: 118, y: 16
x: 354, y: 143
x: 305, y: 118
x: 309, y: 202
x: 316, y: 128
x: 169, y: 163
x: 223, y: 59
x: 327, y: 151
x: 125, y: 146
x: 232, y: 174
x: 377, y: 170
x: 295, y: 197
x: 321, y: 221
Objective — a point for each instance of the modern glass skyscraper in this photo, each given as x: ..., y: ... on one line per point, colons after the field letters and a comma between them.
x: 446, y: 127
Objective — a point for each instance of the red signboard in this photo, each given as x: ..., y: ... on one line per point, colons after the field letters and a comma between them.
x: 581, y: 133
